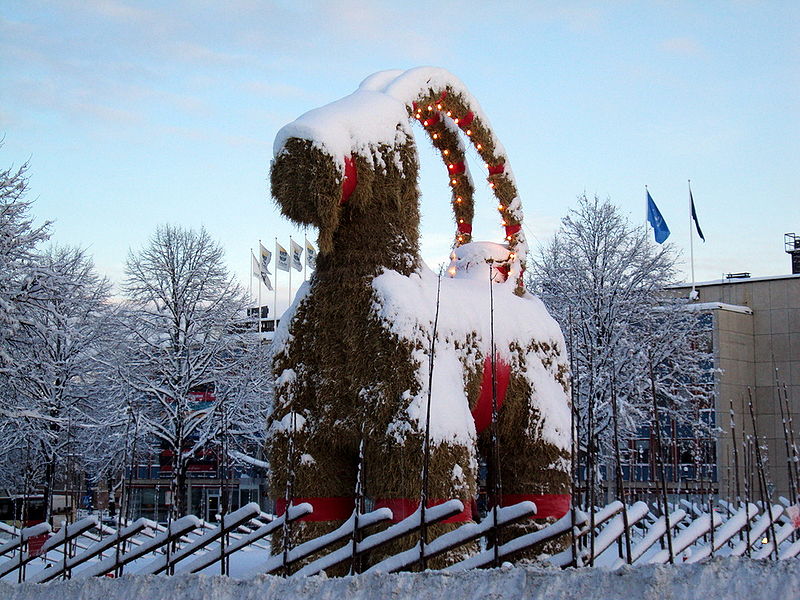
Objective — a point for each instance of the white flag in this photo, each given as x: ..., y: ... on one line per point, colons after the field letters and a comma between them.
x: 297, y: 255
x: 259, y: 271
x: 254, y: 266
x: 311, y: 255
x: 266, y: 258
x: 282, y: 260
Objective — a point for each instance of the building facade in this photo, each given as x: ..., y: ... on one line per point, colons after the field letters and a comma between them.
x: 756, y: 345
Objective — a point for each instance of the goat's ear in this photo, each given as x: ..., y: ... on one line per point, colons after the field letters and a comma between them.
x: 306, y: 185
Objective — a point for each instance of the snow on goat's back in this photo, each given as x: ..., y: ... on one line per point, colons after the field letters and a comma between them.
x: 407, y: 307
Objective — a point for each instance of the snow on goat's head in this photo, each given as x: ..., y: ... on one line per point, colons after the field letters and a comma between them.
x: 329, y: 157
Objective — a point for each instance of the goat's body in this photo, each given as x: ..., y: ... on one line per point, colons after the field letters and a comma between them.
x: 352, y: 360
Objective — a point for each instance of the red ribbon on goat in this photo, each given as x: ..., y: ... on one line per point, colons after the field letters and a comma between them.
x: 431, y: 119
x: 405, y: 507
x: 350, y: 179
x: 325, y: 509
x: 547, y: 505
x: 482, y: 413
x: 456, y: 168
x: 466, y: 120
x: 512, y: 229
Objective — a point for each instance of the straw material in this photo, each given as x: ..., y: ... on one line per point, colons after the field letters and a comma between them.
x: 346, y: 376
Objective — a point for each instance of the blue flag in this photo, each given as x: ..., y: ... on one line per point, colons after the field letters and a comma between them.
x: 656, y: 220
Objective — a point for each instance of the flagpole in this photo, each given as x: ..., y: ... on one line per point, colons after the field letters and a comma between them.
x: 693, y: 293
x: 275, y: 299
x: 290, y: 272
x: 260, y: 267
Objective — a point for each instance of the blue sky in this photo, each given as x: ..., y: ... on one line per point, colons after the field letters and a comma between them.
x: 139, y: 113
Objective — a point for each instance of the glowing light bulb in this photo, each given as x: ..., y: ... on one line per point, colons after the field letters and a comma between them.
x: 459, y: 200
x: 508, y: 237
x: 452, y: 271
x: 430, y: 107
x: 479, y: 146
x: 469, y: 132
x: 449, y: 114
x: 439, y: 106
x: 456, y: 121
x: 491, y: 185
x: 436, y: 136
x: 500, y: 207
x: 446, y: 152
x: 453, y: 181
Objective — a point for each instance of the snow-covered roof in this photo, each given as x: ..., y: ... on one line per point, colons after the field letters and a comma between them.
x: 699, y: 306
x: 678, y: 286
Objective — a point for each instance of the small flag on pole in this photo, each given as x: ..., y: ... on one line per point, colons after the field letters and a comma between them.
x: 656, y: 220
x: 694, y: 216
x: 266, y: 258
x: 297, y: 254
x: 260, y: 271
x: 311, y: 255
x: 282, y: 260
x: 255, y: 267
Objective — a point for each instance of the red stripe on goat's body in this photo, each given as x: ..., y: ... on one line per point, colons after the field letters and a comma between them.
x: 325, y: 509
x: 547, y: 505
x: 350, y: 179
x: 482, y: 413
x: 404, y: 507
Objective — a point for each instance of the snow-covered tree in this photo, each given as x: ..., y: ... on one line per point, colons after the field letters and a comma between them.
x: 192, y: 362
x: 18, y: 240
x: 52, y: 379
x: 603, y: 279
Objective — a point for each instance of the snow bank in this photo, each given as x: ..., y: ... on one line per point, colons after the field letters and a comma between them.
x: 722, y: 578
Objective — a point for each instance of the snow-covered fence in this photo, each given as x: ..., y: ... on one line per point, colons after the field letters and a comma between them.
x: 188, y: 545
x: 221, y: 552
x: 229, y: 523
x: 22, y: 536
x: 408, y: 525
x: 96, y: 549
x: 174, y: 532
x: 18, y: 544
x: 454, y: 539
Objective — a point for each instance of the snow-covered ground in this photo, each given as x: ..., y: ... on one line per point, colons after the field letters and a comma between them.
x: 722, y: 578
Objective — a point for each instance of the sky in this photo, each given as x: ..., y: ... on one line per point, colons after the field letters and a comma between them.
x: 135, y: 114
